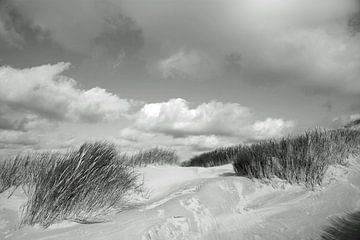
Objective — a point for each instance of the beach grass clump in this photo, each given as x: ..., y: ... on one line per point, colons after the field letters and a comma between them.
x: 153, y: 156
x: 22, y: 168
x: 11, y: 173
x: 301, y: 159
x: 82, y: 185
x: 218, y: 157
x: 343, y: 228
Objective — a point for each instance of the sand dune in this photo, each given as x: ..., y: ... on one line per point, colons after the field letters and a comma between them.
x: 208, y: 203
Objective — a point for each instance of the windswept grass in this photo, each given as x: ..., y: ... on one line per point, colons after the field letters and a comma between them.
x: 21, y: 169
x: 343, y: 228
x: 155, y: 156
x: 219, y: 156
x: 301, y: 159
x: 83, y: 185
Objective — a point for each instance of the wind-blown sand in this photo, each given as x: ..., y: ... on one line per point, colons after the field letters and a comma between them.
x: 209, y: 203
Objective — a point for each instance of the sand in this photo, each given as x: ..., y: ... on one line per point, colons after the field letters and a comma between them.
x: 208, y: 203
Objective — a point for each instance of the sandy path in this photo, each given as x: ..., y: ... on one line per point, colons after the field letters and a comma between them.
x: 196, y: 203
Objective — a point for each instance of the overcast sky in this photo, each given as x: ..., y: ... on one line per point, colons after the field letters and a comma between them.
x: 191, y: 75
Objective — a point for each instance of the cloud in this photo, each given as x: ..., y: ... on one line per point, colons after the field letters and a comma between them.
x: 121, y: 37
x: 279, y: 41
x: 175, y: 118
x: 22, y: 41
x: 233, y: 62
x: 103, y: 25
x: 11, y: 139
x: 131, y: 139
x: 207, y: 143
x: 190, y: 65
x: 344, y: 120
x: 271, y: 128
x: 327, y: 59
x: 136, y: 136
x: 45, y: 92
x: 305, y: 44
x: 15, y: 29
x: 204, y: 127
x: 317, y: 59
x: 354, y: 21
x: 8, y: 124
x: 35, y: 101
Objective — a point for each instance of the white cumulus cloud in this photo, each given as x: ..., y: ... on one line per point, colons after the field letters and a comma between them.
x: 44, y: 91
x: 204, y: 127
x: 271, y: 128
x: 176, y: 118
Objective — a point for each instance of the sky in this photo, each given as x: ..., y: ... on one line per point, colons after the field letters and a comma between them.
x: 188, y: 75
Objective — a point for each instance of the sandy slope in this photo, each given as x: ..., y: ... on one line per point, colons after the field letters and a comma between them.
x: 212, y: 203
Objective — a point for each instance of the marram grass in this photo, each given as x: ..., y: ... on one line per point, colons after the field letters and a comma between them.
x: 218, y: 157
x: 301, y: 159
x: 153, y: 156
x: 298, y: 159
x: 83, y: 185
x: 343, y: 228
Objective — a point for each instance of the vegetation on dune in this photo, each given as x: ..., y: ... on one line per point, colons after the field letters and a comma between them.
x: 343, y: 228
x: 218, y: 157
x: 353, y: 124
x: 301, y: 159
x: 155, y: 156
x: 82, y: 185
x: 86, y: 184
x: 21, y: 169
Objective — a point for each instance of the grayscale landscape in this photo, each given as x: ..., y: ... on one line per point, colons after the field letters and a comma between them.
x: 193, y: 119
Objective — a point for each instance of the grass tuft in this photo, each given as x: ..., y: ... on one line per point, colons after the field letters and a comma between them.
x: 83, y: 185
x: 343, y: 228
x: 218, y: 157
x: 22, y: 168
x: 153, y: 156
x: 301, y: 159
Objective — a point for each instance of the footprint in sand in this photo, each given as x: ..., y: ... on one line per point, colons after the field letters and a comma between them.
x: 204, y: 220
x: 171, y: 196
x: 177, y: 228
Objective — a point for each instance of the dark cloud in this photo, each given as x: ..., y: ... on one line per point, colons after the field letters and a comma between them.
x: 354, y: 22
x: 22, y: 42
x: 7, y: 124
x: 121, y: 38
x: 355, y: 106
x: 328, y: 105
x: 16, y: 30
x: 233, y: 62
